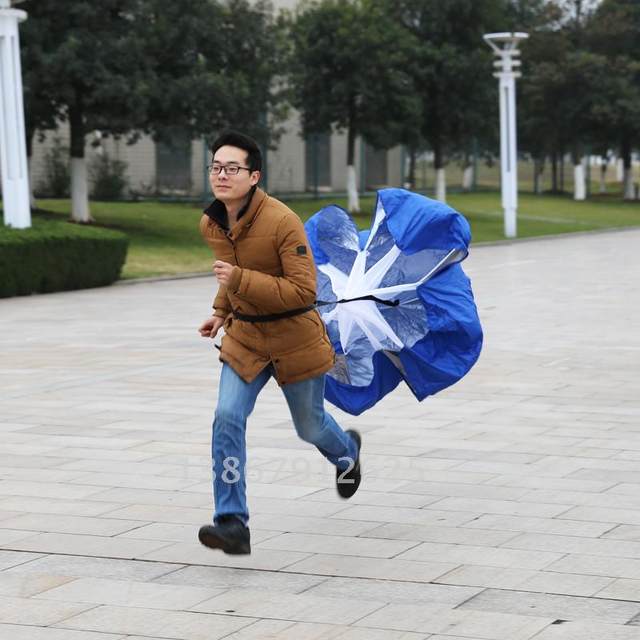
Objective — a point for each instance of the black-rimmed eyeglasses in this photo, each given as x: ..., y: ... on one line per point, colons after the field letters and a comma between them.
x: 229, y: 169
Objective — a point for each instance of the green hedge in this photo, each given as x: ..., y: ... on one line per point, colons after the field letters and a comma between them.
x: 57, y: 256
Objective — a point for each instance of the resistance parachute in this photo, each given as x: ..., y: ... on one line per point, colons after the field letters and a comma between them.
x: 395, y: 300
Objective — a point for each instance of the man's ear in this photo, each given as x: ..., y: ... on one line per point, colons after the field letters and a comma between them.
x: 255, y: 177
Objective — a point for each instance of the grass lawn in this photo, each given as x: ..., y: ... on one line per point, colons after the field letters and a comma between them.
x: 164, y: 237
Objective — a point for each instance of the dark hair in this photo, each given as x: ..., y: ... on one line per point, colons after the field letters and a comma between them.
x: 240, y: 140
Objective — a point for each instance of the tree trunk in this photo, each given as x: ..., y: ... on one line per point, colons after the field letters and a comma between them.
x: 467, y: 174
x: 579, y: 182
x: 79, y: 183
x: 554, y: 172
x: 411, y: 177
x: 629, y: 188
x: 538, y: 168
x: 441, y: 180
x: 441, y: 184
x: 32, y: 201
x: 352, y: 179
x: 580, y: 168
x: 603, y: 174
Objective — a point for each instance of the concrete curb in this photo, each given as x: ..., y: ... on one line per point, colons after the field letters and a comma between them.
x: 177, y: 276
x: 556, y: 236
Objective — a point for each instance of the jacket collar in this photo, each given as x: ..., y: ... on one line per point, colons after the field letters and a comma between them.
x: 218, y: 212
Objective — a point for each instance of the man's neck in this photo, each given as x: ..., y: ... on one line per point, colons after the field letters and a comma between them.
x: 234, y: 208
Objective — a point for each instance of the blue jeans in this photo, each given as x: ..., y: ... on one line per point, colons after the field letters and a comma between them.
x: 236, y: 399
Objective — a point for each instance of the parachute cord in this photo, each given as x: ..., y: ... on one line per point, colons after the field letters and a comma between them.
x: 388, y: 303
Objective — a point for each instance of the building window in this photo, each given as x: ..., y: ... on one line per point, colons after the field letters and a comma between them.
x: 375, y: 161
x: 173, y: 163
x: 318, y: 162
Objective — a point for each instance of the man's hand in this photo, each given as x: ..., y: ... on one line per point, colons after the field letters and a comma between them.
x: 210, y: 327
x: 222, y: 271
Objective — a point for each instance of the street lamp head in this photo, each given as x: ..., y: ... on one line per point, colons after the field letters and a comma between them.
x: 506, y: 41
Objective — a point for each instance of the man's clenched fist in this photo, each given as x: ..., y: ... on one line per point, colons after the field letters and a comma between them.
x: 222, y: 271
x: 210, y: 327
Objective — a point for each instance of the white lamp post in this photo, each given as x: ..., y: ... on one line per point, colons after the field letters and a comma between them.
x: 505, y: 47
x: 13, y: 152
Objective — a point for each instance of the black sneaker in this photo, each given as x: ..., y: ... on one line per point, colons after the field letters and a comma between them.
x: 228, y: 534
x: 347, y: 482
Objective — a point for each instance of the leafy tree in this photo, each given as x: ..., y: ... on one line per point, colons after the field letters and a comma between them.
x: 212, y: 65
x: 571, y: 80
x: 561, y: 77
x: 615, y: 28
x: 40, y: 107
x: 541, y: 130
x: 539, y: 134
x: 349, y: 62
x: 616, y: 111
x: 613, y: 34
x: 532, y: 15
x: 585, y: 75
x: 452, y: 72
x: 91, y: 58
x: 123, y: 67
x: 255, y: 49
x: 577, y: 16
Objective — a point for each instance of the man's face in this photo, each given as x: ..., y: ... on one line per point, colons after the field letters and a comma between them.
x: 228, y: 188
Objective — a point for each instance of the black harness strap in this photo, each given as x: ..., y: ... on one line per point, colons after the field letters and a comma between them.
x: 272, y: 317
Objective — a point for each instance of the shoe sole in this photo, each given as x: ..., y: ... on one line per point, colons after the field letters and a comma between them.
x: 216, y: 542
x: 347, y: 490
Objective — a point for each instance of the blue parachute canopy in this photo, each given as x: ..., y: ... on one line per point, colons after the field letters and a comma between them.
x: 395, y: 300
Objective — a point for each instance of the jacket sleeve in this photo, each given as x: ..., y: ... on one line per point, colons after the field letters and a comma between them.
x: 221, y: 306
x: 295, y: 288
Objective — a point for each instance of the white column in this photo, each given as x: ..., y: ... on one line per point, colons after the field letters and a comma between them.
x: 508, y: 149
x: 13, y: 150
x: 505, y: 47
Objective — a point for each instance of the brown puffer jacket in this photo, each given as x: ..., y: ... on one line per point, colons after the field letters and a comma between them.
x: 274, y: 273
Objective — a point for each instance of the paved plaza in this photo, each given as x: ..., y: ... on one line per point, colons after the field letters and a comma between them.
x: 505, y: 508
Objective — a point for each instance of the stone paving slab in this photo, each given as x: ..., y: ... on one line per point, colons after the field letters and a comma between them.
x: 30, y: 632
x: 161, y: 623
x: 126, y: 593
x: 505, y: 508
x: 228, y: 578
x: 437, y: 619
x: 549, y: 605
